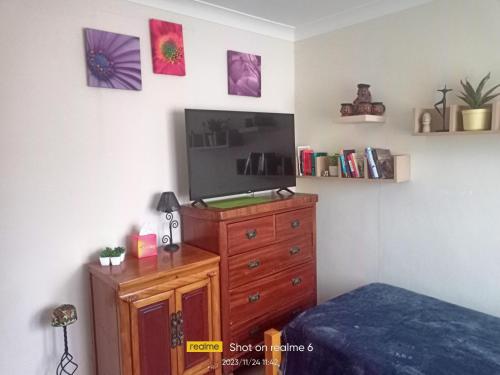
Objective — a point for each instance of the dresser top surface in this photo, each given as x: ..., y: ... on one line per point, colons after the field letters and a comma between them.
x: 275, y: 202
x: 134, y: 270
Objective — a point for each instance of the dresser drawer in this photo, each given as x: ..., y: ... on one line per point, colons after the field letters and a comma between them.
x: 252, y: 332
x: 294, y: 223
x: 250, y: 234
x: 255, y: 264
x: 264, y: 295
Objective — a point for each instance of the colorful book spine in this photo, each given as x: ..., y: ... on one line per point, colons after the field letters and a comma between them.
x: 343, y: 164
x: 372, y: 167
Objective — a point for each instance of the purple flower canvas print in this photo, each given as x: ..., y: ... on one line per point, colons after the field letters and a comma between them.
x: 113, y: 60
x: 243, y: 73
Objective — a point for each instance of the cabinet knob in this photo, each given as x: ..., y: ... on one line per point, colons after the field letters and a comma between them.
x: 295, y: 224
x: 296, y: 281
x: 251, y: 234
x: 253, y: 264
x: 254, y: 297
x: 294, y: 250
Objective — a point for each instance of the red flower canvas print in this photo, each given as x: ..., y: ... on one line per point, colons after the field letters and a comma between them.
x: 167, y: 47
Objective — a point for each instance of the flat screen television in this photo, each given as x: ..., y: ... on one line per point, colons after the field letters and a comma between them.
x: 239, y: 152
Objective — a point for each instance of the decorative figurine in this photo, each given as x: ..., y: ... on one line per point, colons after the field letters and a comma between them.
x: 63, y: 316
x: 442, y: 112
x: 426, y: 122
x: 378, y: 108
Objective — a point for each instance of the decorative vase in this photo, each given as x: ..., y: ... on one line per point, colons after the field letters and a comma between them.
x: 378, y: 108
x: 364, y: 94
x: 346, y: 109
x: 476, y: 119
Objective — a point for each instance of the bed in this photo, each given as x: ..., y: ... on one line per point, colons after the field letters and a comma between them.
x: 379, y: 329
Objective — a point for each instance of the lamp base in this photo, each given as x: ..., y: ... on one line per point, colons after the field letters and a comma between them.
x: 171, y: 247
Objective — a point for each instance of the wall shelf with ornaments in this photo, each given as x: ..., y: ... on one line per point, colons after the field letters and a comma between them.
x: 454, y: 124
x: 361, y: 119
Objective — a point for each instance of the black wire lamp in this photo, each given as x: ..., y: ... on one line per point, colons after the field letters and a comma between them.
x: 169, y: 204
x: 63, y: 316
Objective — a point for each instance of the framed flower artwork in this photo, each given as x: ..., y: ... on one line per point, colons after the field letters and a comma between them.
x: 167, y: 47
x: 113, y: 60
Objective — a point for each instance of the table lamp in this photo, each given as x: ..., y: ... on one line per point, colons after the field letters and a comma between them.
x: 168, y: 203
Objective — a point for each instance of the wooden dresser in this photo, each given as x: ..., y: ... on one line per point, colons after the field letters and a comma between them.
x: 268, y: 264
x: 146, y: 309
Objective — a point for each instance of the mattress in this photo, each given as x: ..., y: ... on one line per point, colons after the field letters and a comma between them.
x: 379, y: 329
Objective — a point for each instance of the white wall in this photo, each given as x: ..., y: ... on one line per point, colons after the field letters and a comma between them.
x: 80, y: 166
x: 438, y: 234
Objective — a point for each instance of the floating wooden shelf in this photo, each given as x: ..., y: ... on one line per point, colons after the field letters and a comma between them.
x: 401, y: 172
x: 361, y: 119
x: 454, y: 125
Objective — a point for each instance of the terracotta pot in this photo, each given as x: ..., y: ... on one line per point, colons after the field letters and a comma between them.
x: 378, y: 108
x: 346, y: 109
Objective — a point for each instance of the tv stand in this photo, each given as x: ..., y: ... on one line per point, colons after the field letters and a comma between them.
x: 200, y: 201
x: 285, y: 189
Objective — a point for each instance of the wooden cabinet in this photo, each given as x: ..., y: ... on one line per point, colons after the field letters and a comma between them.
x: 145, y: 310
x: 268, y: 263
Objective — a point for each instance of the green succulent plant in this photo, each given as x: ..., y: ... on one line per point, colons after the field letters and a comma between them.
x: 475, y: 97
x: 115, y: 253
x: 120, y: 249
x: 107, y: 252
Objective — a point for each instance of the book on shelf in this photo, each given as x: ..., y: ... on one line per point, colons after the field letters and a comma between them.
x: 300, y: 159
x: 372, y: 167
x: 384, y: 162
x: 307, y: 161
x: 315, y: 155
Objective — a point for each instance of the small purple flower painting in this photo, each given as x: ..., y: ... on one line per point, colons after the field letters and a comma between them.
x: 243, y: 74
x: 113, y: 60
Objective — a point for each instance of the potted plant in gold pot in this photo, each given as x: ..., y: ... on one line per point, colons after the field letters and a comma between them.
x: 477, y: 117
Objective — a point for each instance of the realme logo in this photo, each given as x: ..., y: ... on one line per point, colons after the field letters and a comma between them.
x: 204, y: 346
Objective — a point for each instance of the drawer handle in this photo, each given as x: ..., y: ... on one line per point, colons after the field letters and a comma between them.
x: 253, y: 264
x: 254, y: 331
x: 296, y: 281
x: 254, y: 297
x: 295, y: 224
x: 294, y: 250
x: 251, y: 234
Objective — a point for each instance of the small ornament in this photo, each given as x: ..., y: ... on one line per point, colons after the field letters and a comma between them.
x: 346, y: 109
x: 378, y: 108
x: 364, y: 94
x: 442, y: 112
x: 426, y: 122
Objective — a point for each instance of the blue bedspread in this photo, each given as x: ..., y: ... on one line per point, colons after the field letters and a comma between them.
x: 382, y: 330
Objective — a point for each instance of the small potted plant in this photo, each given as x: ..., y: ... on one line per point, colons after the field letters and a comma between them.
x: 105, y: 256
x: 333, y: 165
x: 477, y: 117
x: 115, y: 257
x: 122, y: 252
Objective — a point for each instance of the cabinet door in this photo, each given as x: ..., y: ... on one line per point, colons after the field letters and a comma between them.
x: 194, y: 302
x: 152, y: 352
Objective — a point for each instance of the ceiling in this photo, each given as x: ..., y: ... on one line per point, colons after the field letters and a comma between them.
x: 285, y: 19
x: 290, y: 12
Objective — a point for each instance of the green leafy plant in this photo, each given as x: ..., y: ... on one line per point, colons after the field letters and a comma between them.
x: 106, y: 253
x: 115, y: 253
x: 475, y: 97
x: 333, y: 159
x: 120, y: 249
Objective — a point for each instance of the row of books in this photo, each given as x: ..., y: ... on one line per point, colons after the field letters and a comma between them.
x: 379, y: 163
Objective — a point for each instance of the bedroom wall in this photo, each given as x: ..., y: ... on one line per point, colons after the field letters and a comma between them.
x: 437, y: 234
x: 81, y: 166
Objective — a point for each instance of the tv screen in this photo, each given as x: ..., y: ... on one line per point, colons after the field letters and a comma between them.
x: 238, y: 152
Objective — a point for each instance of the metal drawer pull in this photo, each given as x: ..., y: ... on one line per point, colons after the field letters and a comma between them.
x: 253, y: 297
x: 295, y: 224
x: 251, y: 234
x: 294, y: 250
x: 253, y: 264
x: 296, y: 281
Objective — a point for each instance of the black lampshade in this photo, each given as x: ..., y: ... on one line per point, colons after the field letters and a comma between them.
x: 168, y: 202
